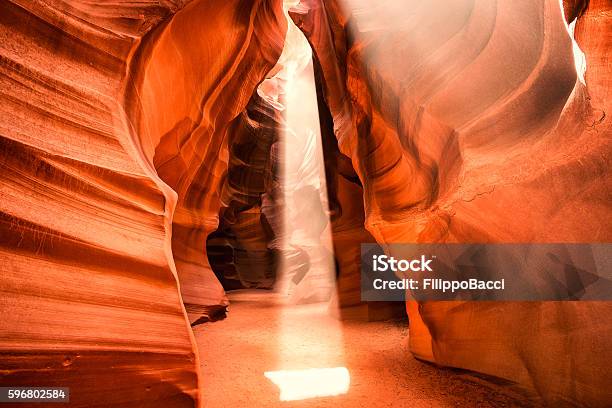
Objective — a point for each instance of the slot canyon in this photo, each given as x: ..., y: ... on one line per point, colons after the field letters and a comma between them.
x: 185, y: 186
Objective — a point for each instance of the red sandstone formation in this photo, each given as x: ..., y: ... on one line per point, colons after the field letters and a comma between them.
x: 242, y: 251
x: 465, y: 122
x: 129, y: 131
x: 113, y: 128
x: 190, y: 82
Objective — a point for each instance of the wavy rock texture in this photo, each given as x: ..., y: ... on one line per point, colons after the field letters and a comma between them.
x: 465, y: 122
x: 113, y: 140
x: 127, y: 132
x: 345, y: 193
x: 192, y: 81
x: 241, y: 250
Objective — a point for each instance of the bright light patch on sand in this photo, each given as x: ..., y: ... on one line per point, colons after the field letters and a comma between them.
x: 297, y: 385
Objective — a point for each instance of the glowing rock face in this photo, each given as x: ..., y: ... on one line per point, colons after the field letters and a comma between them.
x: 310, y: 383
x: 112, y: 134
x: 443, y: 121
x: 466, y: 122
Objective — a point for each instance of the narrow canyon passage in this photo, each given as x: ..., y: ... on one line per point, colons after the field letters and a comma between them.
x: 287, y: 347
x: 190, y: 189
x: 254, y: 339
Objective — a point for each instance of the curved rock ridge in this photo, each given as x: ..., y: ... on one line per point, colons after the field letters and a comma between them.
x: 241, y: 251
x: 465, y: 122
x: 345, y: 193
x: 191, y: 82
x: 129, y: 134
x: 113, y: 139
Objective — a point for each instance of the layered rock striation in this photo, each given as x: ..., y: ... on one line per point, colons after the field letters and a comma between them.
x: 189, y: 85
x: 113, y: 134
x: 241, y: 250
x: 468, y: 122
x: 130, y: 135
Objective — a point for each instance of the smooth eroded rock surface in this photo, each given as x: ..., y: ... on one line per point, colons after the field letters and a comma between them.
x: 112, y: 140
x: 467, y: 122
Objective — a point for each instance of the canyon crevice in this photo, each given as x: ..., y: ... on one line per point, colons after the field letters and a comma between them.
x: 139, y: 172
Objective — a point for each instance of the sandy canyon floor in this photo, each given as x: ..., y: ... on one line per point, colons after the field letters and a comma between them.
x: 262, y: 334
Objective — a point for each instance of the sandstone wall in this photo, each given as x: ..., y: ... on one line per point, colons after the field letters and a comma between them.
x: 191, y: 81
x: 112, y: 135
x: 466, y: 122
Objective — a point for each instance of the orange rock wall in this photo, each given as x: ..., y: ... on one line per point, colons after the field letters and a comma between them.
x: 466, y: 122
x: 454, y: 121
x: 191, y: 82
x: 241, y: 250
x: 112, y: 135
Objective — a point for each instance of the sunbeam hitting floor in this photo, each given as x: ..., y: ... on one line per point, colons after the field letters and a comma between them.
x: 241, y: 356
